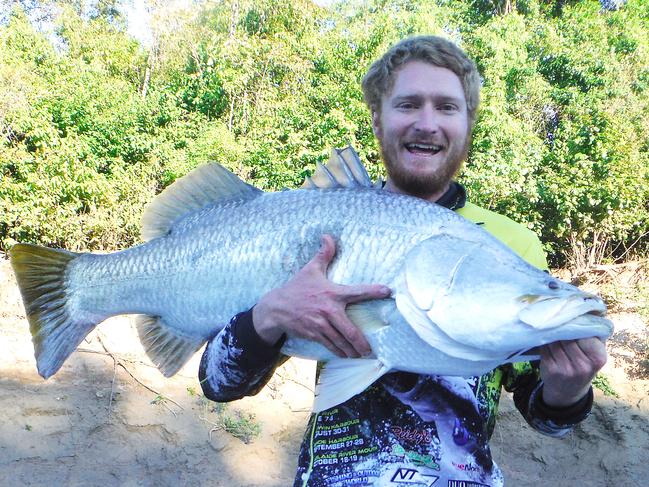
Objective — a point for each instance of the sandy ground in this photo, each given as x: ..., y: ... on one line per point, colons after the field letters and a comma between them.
x: 108, y: 418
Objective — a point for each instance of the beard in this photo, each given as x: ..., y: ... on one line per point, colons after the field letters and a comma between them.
x: 423, y: 186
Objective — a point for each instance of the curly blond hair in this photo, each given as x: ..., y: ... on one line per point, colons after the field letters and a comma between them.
x: 379, y: 79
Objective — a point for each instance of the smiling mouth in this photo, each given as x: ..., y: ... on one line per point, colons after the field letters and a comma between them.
x: 428, y: 149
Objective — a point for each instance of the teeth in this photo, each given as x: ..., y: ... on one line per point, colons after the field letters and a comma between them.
x: 425, y: 147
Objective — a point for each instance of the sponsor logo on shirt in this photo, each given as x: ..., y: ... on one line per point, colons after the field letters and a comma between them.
x: 404, y: 475
x: 411, y: 476
x: 417, y: 458
x: 467, y: 467
x: 465, y: 483
x: 412, y: 435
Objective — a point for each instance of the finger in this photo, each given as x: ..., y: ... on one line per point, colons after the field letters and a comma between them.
x: 340, y: 345
x: 568, y: 358
x: 363, y: 292
x: 331, y: 346
x: 594, y: 352
x: 319, y: 330
x: 583, y: 351
x: 551, y: 350
x: 545, y: 353
x: 325, y: 254
x: 591, y: 346
x: 351, y: 335
x: 554, y: 354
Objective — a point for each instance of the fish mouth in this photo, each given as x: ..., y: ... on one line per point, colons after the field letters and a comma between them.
x: 588, y: 325
x: 544, y: 312
x: 597, y: 312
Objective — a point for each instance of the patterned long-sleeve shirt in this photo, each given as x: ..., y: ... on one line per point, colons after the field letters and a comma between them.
x: 405, y: 428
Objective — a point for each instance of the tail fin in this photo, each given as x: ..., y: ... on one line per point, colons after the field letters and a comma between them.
x: 41, y: 276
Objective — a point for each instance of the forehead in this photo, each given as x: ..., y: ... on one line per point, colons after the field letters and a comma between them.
x: 419, y: 78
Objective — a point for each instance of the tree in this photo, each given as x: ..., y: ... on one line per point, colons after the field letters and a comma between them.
x: 267, y: 87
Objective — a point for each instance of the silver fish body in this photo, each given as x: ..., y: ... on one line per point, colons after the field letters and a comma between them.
x: 462, y: 302
x: 221, y: 260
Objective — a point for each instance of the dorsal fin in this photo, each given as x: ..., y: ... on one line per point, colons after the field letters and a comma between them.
x: 344, y: 170
x: 205, y: 185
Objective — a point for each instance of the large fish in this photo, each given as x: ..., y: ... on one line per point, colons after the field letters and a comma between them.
x: 462, y: 303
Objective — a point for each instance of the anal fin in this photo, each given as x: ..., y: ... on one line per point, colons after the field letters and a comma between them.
x: 168, y: 349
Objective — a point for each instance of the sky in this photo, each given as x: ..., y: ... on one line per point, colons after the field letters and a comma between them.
x: 139, y: 19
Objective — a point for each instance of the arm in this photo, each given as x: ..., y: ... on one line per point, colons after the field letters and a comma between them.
x: 526, y: 381
x: 237, y: 362
x: 242, y: 357
x: 558, y: 395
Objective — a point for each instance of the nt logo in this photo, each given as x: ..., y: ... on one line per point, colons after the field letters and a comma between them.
x: 407, y: 476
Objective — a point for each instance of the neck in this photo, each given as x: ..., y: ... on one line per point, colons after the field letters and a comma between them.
x: 432, y: 197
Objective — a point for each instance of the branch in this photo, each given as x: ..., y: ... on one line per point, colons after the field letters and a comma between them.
x: 118, y: 361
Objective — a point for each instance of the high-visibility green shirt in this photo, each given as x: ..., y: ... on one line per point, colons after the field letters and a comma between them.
x: 518, y: 238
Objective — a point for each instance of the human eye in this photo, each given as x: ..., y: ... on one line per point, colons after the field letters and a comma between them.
x: 449, y: 107
x: 406, y: 105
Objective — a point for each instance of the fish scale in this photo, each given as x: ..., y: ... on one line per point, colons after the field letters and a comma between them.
x: 227, y: 259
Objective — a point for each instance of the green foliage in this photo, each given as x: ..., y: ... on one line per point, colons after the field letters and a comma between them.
x: 94, y: 124
x: 241, y: 425
x: 602, y: 383
x: 75, y: 161
x: 561, y: 142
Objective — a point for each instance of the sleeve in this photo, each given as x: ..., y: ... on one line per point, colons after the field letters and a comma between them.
x: 237, y: 362
x: 523, y: 379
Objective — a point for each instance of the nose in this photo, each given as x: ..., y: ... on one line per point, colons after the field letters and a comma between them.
x: 427, y: 121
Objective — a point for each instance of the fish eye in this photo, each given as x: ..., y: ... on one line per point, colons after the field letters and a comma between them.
x: 553, y: 285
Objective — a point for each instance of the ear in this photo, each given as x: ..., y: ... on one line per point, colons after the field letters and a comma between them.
x: 376, y: 124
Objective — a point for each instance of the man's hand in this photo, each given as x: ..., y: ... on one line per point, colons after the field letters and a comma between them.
x: 567, y: 369
x: 312, y: 307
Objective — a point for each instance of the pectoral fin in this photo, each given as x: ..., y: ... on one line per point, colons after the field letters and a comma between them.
x: 370, y: 316
x: 341, y: 379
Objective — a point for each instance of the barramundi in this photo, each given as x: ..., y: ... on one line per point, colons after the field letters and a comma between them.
x: 462, y: 302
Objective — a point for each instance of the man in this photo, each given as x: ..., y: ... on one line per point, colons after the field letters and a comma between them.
x: 406, y: 428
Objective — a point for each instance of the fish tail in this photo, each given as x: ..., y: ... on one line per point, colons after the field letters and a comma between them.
x: 41, y: 275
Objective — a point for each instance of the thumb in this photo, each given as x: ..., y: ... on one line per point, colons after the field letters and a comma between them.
x: 325, y: 254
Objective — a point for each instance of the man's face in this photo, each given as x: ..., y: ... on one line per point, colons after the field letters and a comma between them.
x: 423, y: 130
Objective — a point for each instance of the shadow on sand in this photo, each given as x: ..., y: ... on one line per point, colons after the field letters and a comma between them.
x: 87, y: 426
